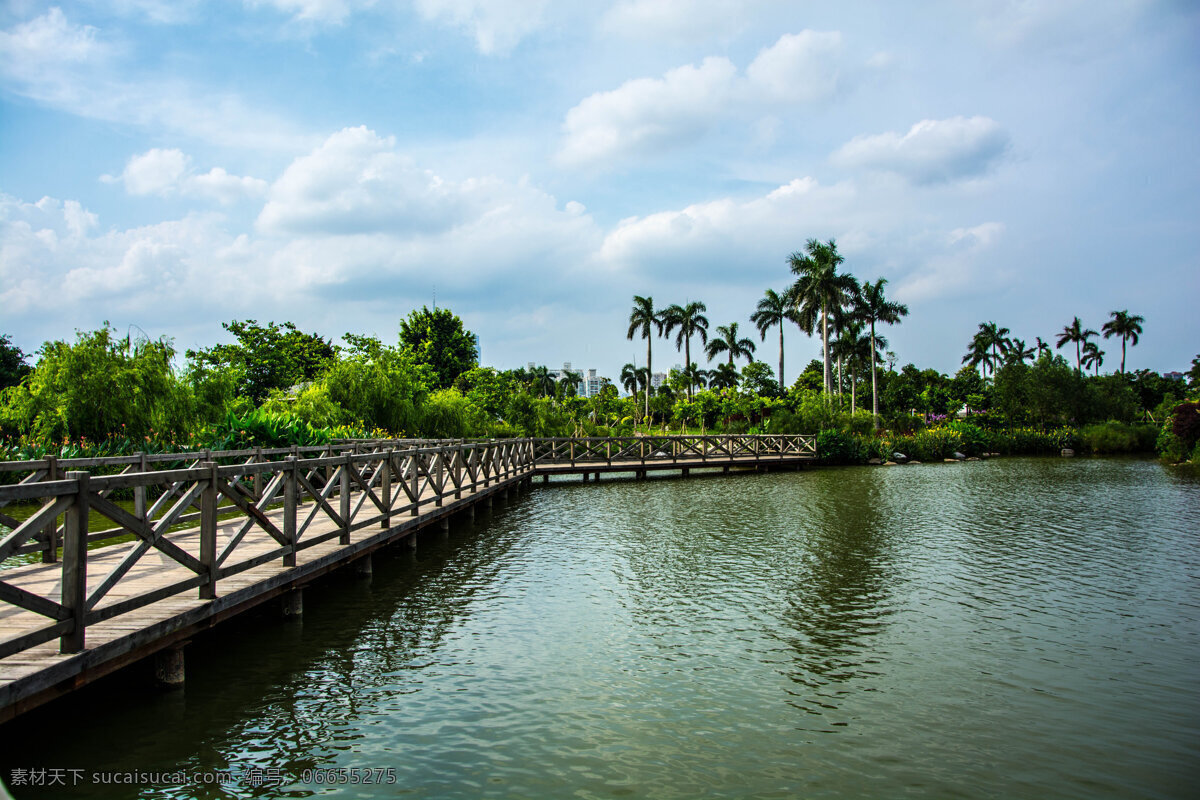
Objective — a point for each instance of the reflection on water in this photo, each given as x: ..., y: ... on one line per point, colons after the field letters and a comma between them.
x: 1008, y: 628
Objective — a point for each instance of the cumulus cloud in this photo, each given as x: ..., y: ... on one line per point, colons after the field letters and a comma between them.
x: 802, y: 67
x: 168, y: 172
x: 956, y: 262
x: 497, y: 25
x: 651, y: 115
x: 933, y: 151
x: 648, y: 114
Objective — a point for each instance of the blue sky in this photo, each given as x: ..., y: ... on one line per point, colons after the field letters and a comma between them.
x: 168, y: 165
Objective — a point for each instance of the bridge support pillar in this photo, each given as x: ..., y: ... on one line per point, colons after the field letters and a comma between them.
x: 168, y: 667
x: 291, y: 605
x: 545, y: 478
x: 685, y: 471
x: 409, y: 542
x: 585, y: 477
x: 596, y: 476
x: 444, y: 527
x: 725, y: 469
x: 363, y: 566
x: 490, y: 498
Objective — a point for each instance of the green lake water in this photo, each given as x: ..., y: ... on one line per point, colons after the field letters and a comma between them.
x: 1007, y: 628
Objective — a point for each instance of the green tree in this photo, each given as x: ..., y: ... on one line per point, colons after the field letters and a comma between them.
x: 1076, y: 333
x: 690, y: 321
x: 1127, y: 326
x: 727, y: 341
x: 988, y: 345
x: 820, y: 288
x: 725, y: 376
x: 758, y: 379
x: 634, y: 379
x: 644, y: 320
x: 542, y: 383
x: 773, y: 310
x: 267, y: 358
x: 875, y: 307
x: 13, y: 368
x: 439, y: 338
x: 1018, y: 352
x: 1092, y: 356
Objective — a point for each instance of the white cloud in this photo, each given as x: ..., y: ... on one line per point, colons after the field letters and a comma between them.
x: 497, y: 25
x: 648, y: 114
x: 933, y: 151
x: 72, y: 68
x: 329, y: 11
x: 168, y: 172
x: 956, y: 263
x: 800, y: 67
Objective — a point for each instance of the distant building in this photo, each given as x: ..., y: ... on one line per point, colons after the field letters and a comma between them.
x: 1174, y: 376
x: 589, y: 385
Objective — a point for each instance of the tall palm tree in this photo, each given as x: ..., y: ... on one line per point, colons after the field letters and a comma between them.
x: 819, y: 288
x: 874, y: 307
x: 1092, y: 356
x: 570, y: 381
x: 643, y: 321
x: 1127, y: 326
x: 774, y: 309
x: 727, y: 341
x: 690, y: 320
x: 1018, y: 353
x: 1042, y: 347
x: 695, y: 376
x: 843, y: 315
x: 989, y: 343
x: 1075, y: 332
x: 857, y: 349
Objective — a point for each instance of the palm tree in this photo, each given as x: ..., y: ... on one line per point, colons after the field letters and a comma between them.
x: 727, y: 341
x: 819, y: 288
x: 542, y: 381
x: 987, y: 346
x: 633, y: 378
x: 1018, y: 353
x: 1127, y: 326
x: 775, y: 309
x: 1076, y: 333
x: 690, y: 320
x: 643, y: 320
x: 570, y: 382
x: 843, y: 315
x: 725, y: 376
x: 1092, y: 356
x: 874, y: 307
x: 857, y: 349
x: 1042, y: 347
x: 695, y: 376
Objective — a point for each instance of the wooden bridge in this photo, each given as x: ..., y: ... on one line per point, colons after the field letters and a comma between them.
x: 90, y: 583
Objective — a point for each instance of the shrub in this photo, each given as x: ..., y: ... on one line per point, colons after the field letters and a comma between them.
x: 1117, y: 437
x: 835, y: 447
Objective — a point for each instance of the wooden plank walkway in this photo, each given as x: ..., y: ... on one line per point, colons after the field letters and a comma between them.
x: 279, y: 526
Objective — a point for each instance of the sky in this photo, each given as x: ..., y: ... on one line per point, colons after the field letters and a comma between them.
x: 169, y: 165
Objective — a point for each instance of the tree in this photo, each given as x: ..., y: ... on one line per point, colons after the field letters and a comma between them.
x: 874, y: 307
x: 439, y: 339
x: 819, y: 289
x: 1042, y: 347
x: 643, y: 321
x: 569, y: 382
x: 1018, y: 353
x: 542, y: 383
x: 633, y: 379
x: 690, y: 320
x: 725, y: 376
x: 268, y: 358
x: 727, y: 341
x: 1076, y: 333
x: 988, y: 344
x: 1092, y: 356
x: 1127, y: 326
x: 774, y: 309
x: 12, y: 363
x: 757, y: 378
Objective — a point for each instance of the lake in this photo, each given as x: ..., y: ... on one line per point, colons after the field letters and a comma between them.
x: 1014, y: 627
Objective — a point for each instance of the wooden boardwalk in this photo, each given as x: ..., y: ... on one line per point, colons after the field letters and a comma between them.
x: 210, y: 540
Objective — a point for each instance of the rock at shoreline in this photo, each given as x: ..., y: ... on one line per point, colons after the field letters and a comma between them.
x: 950, y: 460
x: 913, y: 462
x: 889, y: 464
x: 874, y: 462
x: 973, y: 458
x: 1067, y: 452
x: 959, y: 456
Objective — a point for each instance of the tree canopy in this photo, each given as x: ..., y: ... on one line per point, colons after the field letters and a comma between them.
x: 439, y: 338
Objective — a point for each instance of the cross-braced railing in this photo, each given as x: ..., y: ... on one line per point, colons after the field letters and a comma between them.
x: 640, y: 450
x: 207, y: 521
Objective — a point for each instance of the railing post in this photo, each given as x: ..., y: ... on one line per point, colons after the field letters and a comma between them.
x: 344, y: 497
x: 388, y: 462
x: 291, y: 485
x: 414, y: 461
x: 440, y: 457
x: 208, y: 531
x: 139, y: 492
x: 258, y: 486
x: 50, y: 554
x: 74, y: 568
x: 459, y: 466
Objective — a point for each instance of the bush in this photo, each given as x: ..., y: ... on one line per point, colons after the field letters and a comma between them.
x: 1117, y: 437
x: 974, y: 439
x: 835, y: 447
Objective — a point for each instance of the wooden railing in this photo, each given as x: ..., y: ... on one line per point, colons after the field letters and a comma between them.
x: 281, y: 498
x: 269, y: 505
x: 641, y: 450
